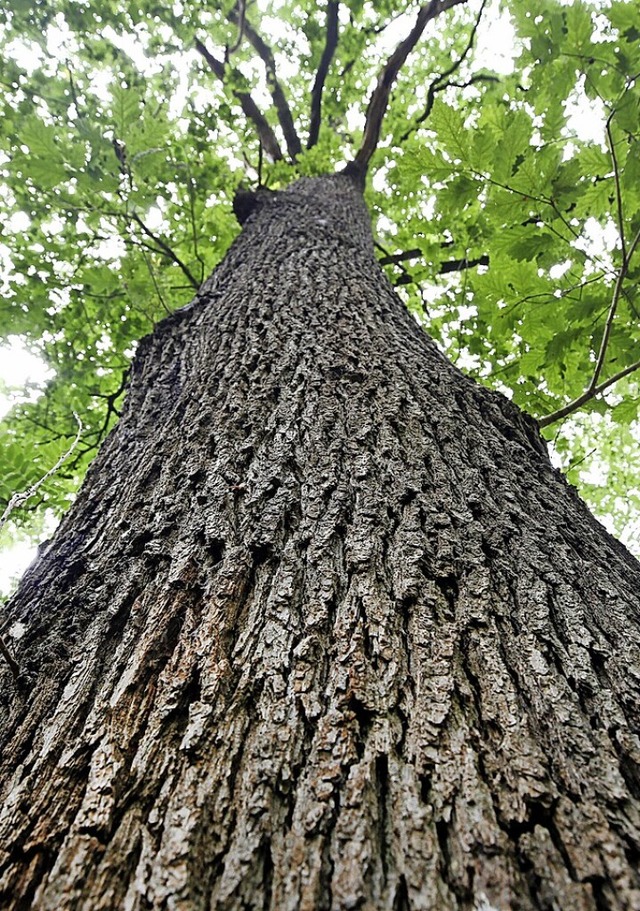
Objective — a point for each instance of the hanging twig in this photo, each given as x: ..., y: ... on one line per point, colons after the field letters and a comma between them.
x: 194, y: 228
x: 153, y: 279
x: 616, y: 178
x: 251, y: 110
x: 323, y: 68
x: 19, y: 499
x: 242, y: 11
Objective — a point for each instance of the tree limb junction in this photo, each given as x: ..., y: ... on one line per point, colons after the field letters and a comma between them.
x: 380, y: 96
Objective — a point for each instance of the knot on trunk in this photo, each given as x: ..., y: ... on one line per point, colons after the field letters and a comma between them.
x: 246, y: 202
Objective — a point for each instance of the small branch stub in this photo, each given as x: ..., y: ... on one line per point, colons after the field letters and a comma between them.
x: 246, y: 202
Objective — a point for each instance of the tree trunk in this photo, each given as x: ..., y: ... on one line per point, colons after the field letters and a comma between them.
x: 324, y: 628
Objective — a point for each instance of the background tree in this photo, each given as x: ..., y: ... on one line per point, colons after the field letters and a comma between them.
x: 324, y: 628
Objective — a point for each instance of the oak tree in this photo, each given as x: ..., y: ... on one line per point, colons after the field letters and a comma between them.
x: 323, y: 628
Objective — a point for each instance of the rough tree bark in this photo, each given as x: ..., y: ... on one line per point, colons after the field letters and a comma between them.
x: 324, y: 628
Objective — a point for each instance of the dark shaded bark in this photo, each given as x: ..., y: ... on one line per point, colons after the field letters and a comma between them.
x: 324, y: 628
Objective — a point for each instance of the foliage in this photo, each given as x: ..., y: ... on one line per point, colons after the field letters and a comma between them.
x: 508, y: 219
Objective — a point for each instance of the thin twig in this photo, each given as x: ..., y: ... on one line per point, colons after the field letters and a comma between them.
x: 166, y: 249
x: 251, y: 110
x: 111, y: 398
x: 616, y: 178
x: 323, y: 68
x: 380, y: 97
x: 440, y: 83
x: 242, y: 4
x: 594, y: 389
x: 153, y: 278
x: 579, y: 461
x: 19, y: 499
x: 194, y: 228
x: 280, y: 102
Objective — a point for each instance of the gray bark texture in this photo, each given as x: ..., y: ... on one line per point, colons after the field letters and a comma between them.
x: 324, y: 628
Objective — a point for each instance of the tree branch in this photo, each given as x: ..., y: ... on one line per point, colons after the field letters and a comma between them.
x: 241, y: 10
x: 458, y: 265
x: 452, y: 265
x: 380, y: 97
x: 392, y: 259
x: 586, y: 396
x: 166, y: 249
x: 19, y: 499
x: 323, y: 68
x: 265, y: 53
x: 439, y: 84
x: 441, y: 87
x: 622, y: 274
x: 250, y: 109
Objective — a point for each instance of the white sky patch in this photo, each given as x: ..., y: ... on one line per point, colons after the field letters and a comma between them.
x: 17, y: 223
x: 55, y: 225
x: 586, y: 117
x: 101, y: 81
x: 495, y: 47
x: 557, y: 271
x: 154, y: 219
x: 15, y: 560
x: 22, y: 374
x: 27, y: 53
x: 132, y: 46
x: 61, y: 41
x: 17, y: 556
x: 355, y: 117
x: 597, y: 241
x: 109, y: 248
